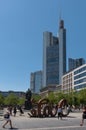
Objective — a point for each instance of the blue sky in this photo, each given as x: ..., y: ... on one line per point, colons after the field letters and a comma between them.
x: 22, y: 23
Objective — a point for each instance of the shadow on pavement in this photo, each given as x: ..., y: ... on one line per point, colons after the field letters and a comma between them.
x: 71, y: 116
x: 13, y: 128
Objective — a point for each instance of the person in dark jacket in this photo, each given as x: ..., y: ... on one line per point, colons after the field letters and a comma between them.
x: 83, y: 116
x: 21, y: 111
x: 14, y: 111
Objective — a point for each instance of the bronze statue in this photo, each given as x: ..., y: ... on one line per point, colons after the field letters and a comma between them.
x: 28, y: 95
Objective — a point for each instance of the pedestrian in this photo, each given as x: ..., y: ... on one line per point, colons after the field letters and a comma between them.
x: 10, y: 110
x: 83, y: 116
x: 69, y: 109
x: 8, y: 120
x: 59, y: 111
x: 21, y: 111
x: 14, y: 111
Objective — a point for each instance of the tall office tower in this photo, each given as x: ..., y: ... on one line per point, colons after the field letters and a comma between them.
x: 62, y: 50
x: 74, y: 63
x: 36, y: 81
x: 54, y: 56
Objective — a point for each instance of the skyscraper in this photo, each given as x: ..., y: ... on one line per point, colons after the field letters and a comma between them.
x: 74, y: 63
x: 54, y: 56
x: 36, y: 81
x: 62, y: 50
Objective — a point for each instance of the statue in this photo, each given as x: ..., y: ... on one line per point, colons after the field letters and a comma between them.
x: 28, y: 95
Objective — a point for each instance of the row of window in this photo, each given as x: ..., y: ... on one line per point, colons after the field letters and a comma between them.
x: 54, y: 54
x: 67, y: 85
x: 49, y: 60
x: 52, y: 69
x: 52, y: 48
x: 67, y: 77
x: 80, y: 70
x: 80, y: 86
x: 52, y: 81
x: 80, y: 75
x: 80, y: 81
x: 52, y: 77
x: 67, y: 81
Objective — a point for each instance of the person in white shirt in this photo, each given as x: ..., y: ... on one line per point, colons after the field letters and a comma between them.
x: 59, y: 111
x: 8, y: 120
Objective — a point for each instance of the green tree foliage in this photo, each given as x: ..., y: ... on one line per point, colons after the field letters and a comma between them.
x: 70, y: 98
x: 21, y: 101
x: 82, y: 96
x: 73, y: 98
x: 36, y: 97
x: 11, y: 99
x: 59, y: 96
x: 1, y: 99
x: 52, y: 97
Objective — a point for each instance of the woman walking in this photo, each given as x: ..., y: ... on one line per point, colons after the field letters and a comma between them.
x: 8, y: 120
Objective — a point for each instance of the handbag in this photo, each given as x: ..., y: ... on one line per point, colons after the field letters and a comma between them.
x: 6, y: 116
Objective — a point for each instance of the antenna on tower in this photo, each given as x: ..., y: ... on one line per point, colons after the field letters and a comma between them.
x: 59, y: 14
x: 61, y: 22
x: 59, y: 10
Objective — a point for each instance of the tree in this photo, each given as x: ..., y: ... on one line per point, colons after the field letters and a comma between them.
x: 52, y: 97
x: 36, y: 97
x: 1, y: 99
x: 59, y: 96
x: 11, y: 99
x: 82, y: 96
x: 21, y: 101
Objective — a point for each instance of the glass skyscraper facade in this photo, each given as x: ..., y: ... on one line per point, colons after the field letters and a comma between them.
x: 36, y: 81
x: 52, y: 69
x: 74, y: 63
x: 54, y: 56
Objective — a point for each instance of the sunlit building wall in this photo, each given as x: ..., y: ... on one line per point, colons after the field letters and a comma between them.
x: 74, y: 80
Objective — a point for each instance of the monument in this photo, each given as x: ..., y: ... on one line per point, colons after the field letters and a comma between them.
x: 28, y: 104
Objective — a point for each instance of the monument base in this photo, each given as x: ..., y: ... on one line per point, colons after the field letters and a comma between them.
x: 28, y: 105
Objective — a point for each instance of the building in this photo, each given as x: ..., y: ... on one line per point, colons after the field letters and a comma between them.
x: 74, y: 80
x: 74, y: 63
x: 80, y: 78
x: 67, y: 82
x: 36, y: 81
x: 54, y: 56
x: 44, y: 92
